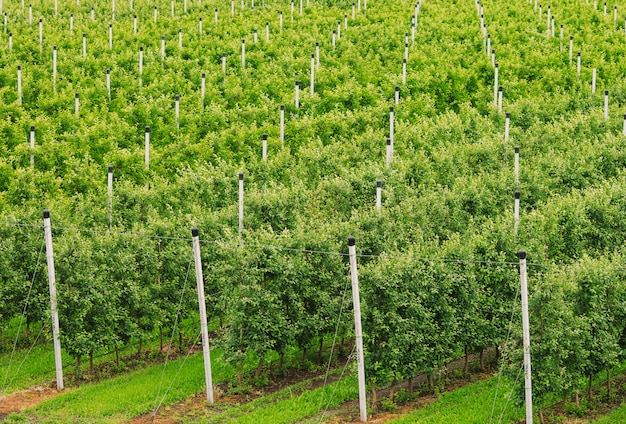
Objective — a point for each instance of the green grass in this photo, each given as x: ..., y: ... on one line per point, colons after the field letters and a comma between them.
x: 37, y: 367
x: 296, y: 408
x: 617, y: 416
x: 471, y: 404
x: 132, y: 394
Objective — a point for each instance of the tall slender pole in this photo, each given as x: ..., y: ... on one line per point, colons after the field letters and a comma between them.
x: 357, y: 328
x: 110, y: 194
x: 282, y: 125
x: 241, y: 207
x: 76, y: 105
x: 379, y: 189
x: 203, y: 87
x: 54, y: 68
x: 264, y: 148
x: 312, y: 74
x: 528, y: 390
x: 243, y: 54
x: 177, y: 110
x: 397, y: 95
x: 495, y: 86
x: 109, y: 83
x: 389, y: 152
x: 147, y: 148
x: 593, y: 81
x: 516, y: 213
x: 391, y: 125
x: 606, y: 104
x: 516, y: 165
x: 32, y: 146
x: 19, y: 84
x: 507, y: 126
x: 297, y: 94
x: 58, y: 361
x: 204, y: 328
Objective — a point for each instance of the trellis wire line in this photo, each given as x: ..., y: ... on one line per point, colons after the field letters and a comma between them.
x: 175, y: 376
x: 519, y: 373
x: 337, y: 383
x: 17, y: 334
x: 330, y: 358
x: 169, y: 346
x: 25, y: 357
x: 508, y: 335
x: 293, y: 249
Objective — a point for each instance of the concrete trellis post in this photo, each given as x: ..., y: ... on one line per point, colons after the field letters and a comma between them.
x: 58, y: 361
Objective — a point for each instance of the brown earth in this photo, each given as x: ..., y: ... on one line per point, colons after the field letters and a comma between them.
x: 17, y: 402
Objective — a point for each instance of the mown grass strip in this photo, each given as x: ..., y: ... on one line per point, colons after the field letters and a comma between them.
x: 471, y: 404
x: 133, y: 394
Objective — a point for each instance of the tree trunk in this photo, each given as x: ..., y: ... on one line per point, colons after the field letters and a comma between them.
x: 239, y: 372
x: 281, y: 360
x: 161, y: 338
x: 140, y: 346
x: 259, y: 368
x: 541, y: 420
x: 608, y: 382
x: 117, y: 355
x: 91, y: 369
x: 430, y: 381
x: 466, y: 363
x: 577, y: 400
x: 482, y: 359
x: 180, y: 341
x: 590, y: 388
x: 77, y: 368
x: 319, y: 352
x: 374, y: 397
x: 391, y: 393
x: 303, y: 357
x: 410, y: 385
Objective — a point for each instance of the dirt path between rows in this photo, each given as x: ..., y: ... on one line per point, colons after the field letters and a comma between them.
x: 17, y: 402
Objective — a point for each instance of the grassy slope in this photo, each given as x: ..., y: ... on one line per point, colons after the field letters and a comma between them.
x: 132, y: 394
x: 468, y: 405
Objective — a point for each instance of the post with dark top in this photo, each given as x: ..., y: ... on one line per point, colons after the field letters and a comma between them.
x: 297, y: 94
x: 379, y: 189
x: 108, y: 81
x: 110, y: 195
x: 58, y: 361
x: 516, y: 165
x: 312, y: 74
x: 32, y: 146
x: 389, y: 155
x: 203, y: 318
x: 391, y: 125
x: 241, y: 207
x: 606, y: 104
x: 177, y: 110
x: 147, y: 148
x: 357, y: 328
x: 397, y: 99
x: 203, y: 88
x: 516, y: 213
x: 282, y: 125
x: 264, y: 148
x: 19, y: 84
x: 593, y: 81
x: 526, y: 337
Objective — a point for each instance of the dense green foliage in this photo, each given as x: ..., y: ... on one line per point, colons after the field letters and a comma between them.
x: 438, y: 271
